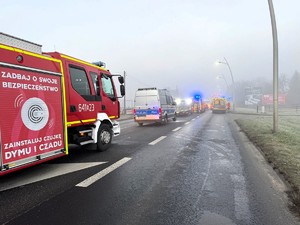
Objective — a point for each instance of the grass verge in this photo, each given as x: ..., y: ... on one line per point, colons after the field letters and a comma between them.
x: 282, y: 149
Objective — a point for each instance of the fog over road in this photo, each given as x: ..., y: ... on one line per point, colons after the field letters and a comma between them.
x: 197, y: 170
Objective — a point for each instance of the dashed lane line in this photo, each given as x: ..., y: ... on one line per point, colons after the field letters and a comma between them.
x: 45, y: 171
x: 176, y: 129
x: 87, y: 182
x: 157, y: 140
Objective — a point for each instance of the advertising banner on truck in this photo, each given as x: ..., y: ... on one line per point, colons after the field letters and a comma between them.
x: 31, y: 115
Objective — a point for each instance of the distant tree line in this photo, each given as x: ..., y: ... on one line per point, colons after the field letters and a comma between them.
x: 288, y: 86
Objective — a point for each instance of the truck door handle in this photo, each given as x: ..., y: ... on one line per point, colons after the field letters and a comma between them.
x: 73, y: 108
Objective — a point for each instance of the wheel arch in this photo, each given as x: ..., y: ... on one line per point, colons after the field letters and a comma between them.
x: 102, y: 118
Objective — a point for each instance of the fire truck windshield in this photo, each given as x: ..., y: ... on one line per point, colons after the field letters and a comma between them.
x: 107, y: 86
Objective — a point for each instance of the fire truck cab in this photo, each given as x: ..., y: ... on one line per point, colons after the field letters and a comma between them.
x: 49, y: 100
x: 91, y: 102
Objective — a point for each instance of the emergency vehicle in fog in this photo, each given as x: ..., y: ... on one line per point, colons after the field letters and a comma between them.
x: 49, y: 100
x: 219, y: 105
x: 153, y: 105
x: 197, y: 104
x: 183, y: 106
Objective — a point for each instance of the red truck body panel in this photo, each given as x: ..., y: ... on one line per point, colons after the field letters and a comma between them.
x: 31, y: 109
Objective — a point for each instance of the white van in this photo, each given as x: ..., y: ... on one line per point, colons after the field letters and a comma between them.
x: 153, y: 105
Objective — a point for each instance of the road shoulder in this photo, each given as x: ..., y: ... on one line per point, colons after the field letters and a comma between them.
x: 272, y: 188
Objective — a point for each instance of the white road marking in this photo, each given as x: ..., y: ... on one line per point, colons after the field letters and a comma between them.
x: 157, y: 140
x: 187, y: 123
x: 45, y: 171
x: 87, y: 182
x: 176, y: 129
x: 193, y: 119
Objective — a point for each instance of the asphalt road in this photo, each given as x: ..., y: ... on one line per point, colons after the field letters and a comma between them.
x: 198, y: 170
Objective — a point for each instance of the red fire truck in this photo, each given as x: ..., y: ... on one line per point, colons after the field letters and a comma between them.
x: 49, y: 100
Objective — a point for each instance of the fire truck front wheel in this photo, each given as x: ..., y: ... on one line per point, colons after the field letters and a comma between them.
x: 105, y: 134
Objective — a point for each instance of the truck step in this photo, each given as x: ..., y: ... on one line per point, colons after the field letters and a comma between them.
x: 86, y: 142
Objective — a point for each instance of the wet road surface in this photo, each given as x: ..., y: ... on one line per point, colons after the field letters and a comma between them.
x: 197, y: 170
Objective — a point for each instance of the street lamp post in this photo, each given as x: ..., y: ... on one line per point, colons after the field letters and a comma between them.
x: 275, y: 67
x: 233, y: 84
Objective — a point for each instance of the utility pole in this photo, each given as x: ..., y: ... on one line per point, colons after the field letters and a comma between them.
x: 275, y: 67
x: 124, y: 95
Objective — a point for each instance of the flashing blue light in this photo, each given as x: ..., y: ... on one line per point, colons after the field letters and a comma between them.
x: 197, y: 97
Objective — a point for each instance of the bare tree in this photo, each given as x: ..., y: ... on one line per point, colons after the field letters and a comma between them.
x: 283, y: 83
x: 293, y: 96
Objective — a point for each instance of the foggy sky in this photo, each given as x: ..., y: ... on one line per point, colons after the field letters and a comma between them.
x: 164, y: 44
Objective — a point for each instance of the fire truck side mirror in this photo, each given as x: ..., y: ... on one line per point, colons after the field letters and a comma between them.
x: 122, y: 89
x: 121, y: 79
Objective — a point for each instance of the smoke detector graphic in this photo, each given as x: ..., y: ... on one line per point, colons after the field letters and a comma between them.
x: 35, y: 114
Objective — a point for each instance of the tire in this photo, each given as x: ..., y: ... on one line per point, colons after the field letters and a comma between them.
x: 140, y: 124
x: 105, y: 134
x: 174, y: 118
